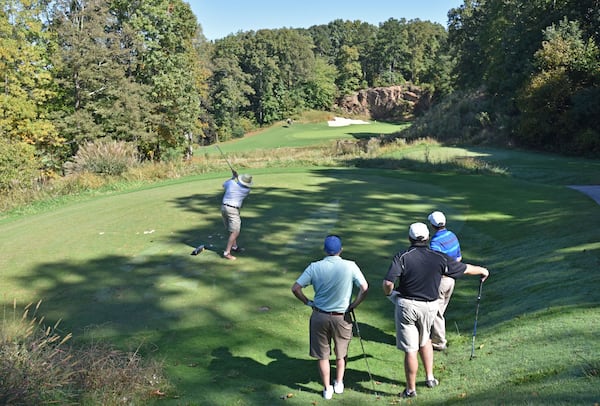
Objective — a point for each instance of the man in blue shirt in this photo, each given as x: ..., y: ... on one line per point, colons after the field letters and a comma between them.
x: 443, y: 240
x: 236, y: 190
x: 332, y: 279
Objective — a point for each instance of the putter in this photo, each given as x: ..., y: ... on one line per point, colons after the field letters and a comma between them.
x: 198, y: 250
x: 363, y: 350
x: 226, y: 160
x: 475, y: 326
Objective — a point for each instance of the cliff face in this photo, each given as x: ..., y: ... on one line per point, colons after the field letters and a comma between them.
x: 386, y: 103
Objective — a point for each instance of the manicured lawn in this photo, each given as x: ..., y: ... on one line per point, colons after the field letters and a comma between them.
x: 303, y: 135
x: 118, y: 267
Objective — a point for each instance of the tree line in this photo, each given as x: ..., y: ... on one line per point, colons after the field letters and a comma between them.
x: 539, y: 64
x: 142, y: 72
x: 77, y: 71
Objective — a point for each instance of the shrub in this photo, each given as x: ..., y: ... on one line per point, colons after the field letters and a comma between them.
x: 106, y: 157
x: 18, y: 166
x: 463, y: 117
x: 38, y: 366
x: 172, y: 155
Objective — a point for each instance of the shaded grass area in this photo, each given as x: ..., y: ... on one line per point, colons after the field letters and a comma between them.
x: 118, y: 267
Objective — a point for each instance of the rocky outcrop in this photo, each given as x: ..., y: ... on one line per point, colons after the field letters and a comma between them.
x: 386, y: 103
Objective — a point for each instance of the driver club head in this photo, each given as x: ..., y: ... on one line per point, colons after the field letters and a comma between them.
x: 198, y: 250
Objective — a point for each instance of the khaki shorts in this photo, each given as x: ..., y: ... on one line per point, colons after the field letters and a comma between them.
x: 231, y: 219
x: 324, y: 329
x: 413, y: 323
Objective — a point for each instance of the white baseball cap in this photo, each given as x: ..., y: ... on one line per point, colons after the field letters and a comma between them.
x: 437, y: 219
x: 418, y: 232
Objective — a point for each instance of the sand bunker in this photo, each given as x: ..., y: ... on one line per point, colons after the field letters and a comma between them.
x: 340, y: 122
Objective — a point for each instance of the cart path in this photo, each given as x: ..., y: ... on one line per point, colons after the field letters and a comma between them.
x: 592, y: 191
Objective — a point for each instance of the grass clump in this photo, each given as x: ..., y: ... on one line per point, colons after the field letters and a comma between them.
x: 39, y: 365
x: 107, y: 157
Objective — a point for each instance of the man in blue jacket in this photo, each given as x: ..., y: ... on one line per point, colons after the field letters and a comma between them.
x: 443, y: 240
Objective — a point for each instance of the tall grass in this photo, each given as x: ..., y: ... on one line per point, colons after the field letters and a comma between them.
x: 376, y: 152
x: 106, y: 157
x: 38, y: 365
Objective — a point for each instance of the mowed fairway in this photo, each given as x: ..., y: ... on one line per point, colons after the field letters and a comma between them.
x: 304, y: 135
x: 118, y: 268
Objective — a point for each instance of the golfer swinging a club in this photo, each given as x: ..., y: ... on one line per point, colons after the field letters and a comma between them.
x: 236, y: 190
x: 332, y: 279
x: 412, y: 284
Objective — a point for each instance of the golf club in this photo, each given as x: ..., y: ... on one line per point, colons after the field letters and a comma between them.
x: 226, y: 160
x: 363, y: 349
x: 476, y: 315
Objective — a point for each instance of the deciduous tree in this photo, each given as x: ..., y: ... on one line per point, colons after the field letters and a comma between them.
x: 25, y: 79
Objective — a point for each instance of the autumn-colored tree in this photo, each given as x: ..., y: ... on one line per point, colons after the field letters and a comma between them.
x: 26, y: 84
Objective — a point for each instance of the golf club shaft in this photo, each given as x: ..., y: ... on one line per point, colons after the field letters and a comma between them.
x: 224, y: 156
x: 476, y: 316
x: 363, y: 348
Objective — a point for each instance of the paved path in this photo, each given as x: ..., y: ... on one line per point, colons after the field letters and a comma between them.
x: 591, y: 191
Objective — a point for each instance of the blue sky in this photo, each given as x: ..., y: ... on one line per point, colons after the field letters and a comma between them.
x: 220, y: 18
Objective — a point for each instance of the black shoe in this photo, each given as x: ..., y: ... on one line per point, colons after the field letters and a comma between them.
x: 238, y: 249
x: 408, y: 394
x: 432, y: 383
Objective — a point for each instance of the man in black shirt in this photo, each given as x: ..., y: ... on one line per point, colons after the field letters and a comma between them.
x: 412, y: 284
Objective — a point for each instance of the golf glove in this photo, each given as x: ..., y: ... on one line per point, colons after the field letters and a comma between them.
x: 393, y: 297
x: 310, y: 303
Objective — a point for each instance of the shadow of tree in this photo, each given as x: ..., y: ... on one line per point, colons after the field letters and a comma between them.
x: 284, y: 370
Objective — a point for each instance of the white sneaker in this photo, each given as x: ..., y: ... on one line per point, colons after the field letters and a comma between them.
x: 328, y: 393
x: 338, y: 387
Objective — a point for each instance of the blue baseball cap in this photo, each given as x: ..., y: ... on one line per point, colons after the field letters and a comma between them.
x: 333, y: 244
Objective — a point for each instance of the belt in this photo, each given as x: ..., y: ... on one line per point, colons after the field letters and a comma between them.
x: 329, y: 313
x: 228, y: 205
x: 417, y: 299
